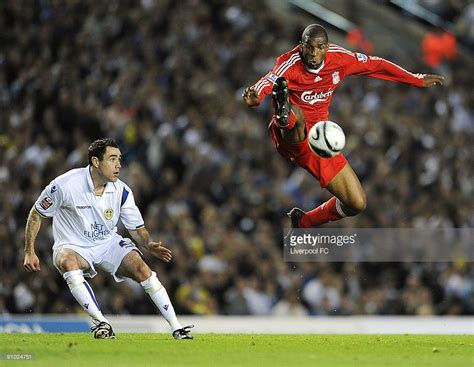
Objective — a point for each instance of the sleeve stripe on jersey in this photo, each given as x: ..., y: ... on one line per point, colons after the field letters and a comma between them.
x: 419, y: 76
x: 259, y: 90
x: 339, y: 48
x: 140, y: 226
x: 341, y: 51
x: 292, y: 57
x: 284, y: 66
x: 260, y: 82
x: 124, y: 196
x: 289, y: 66
x: 260, y: 85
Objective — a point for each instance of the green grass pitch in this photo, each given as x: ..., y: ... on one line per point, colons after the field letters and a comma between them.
x: 239, y: 350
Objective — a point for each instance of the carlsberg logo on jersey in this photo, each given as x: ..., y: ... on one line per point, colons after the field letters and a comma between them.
x: 313, y: 97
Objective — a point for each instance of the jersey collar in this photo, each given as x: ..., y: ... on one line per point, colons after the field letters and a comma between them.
x: 109, y: 187
x: 315, y: 71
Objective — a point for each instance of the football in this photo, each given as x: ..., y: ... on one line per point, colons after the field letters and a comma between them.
x: 326, y: 139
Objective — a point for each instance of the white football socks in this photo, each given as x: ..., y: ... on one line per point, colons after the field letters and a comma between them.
x: 82, y: 292
x: 160, y: 298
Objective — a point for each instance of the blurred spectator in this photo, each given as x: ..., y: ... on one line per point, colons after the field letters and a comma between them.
x: 358, y: 41
x: 193, y: 298
x: 417, y: 299
x: 323, y: 294
x: 464, y: 25
x: 438, y: 46
x: 289, y: 305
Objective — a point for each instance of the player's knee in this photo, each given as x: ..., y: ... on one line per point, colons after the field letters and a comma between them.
x: 358, y: 204
x: 66, y: 262
x: 355, y: 205
x: 142, y: 272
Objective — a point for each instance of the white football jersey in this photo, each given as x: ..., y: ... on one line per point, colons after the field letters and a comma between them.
x: 82, y: 218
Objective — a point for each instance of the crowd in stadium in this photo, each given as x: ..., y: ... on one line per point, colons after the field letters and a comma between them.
x: 203, y: 169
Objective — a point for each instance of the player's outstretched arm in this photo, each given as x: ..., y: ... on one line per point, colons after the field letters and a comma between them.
x: 33, y: 224
x: 377, y: 67
x: 250, y: 96
x: 142, y: 237
x: 430, y: 80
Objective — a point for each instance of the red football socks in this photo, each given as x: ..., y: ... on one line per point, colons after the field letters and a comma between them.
x: 329, y: 211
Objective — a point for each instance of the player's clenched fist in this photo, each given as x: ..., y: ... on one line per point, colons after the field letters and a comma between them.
x: 31, y: 262
x: 250, y: 96
x: 432, y: 80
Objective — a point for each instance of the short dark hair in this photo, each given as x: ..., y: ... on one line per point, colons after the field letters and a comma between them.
x: 314, y: 31
x: 98, y: 148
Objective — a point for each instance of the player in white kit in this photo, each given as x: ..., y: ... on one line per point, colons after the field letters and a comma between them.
x: 86, y: 204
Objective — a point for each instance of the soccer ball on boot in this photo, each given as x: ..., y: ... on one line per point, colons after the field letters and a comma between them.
x: 326, y: 139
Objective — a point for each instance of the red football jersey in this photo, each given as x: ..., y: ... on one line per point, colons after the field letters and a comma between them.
x: 312, y: 90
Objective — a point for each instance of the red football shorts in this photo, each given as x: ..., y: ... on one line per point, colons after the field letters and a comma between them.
x: 323, y: 169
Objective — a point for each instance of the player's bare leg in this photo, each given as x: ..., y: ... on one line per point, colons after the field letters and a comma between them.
x: 298, y: 132
x: 72, y: 265
x: 69, y: 260
x: 347, y: 188
x: 349, y: 199
x: 134, y: 267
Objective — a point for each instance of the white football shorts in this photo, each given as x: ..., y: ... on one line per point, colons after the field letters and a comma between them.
x: 106, y: 257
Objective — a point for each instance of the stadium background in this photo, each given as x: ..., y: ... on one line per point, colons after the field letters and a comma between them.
x: 164, y: 78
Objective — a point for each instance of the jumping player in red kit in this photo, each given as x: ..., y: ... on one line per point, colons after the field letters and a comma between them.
x: 302, y: 84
